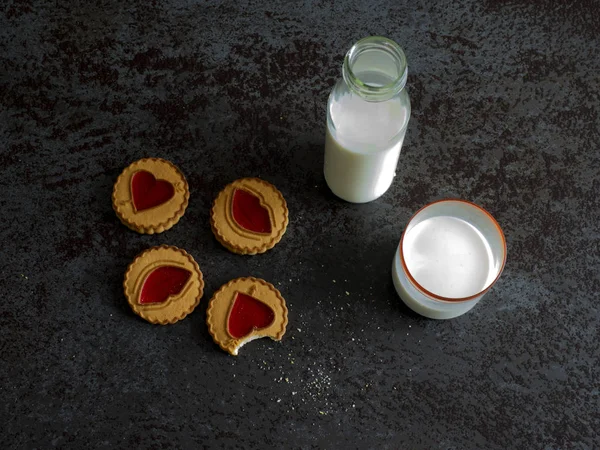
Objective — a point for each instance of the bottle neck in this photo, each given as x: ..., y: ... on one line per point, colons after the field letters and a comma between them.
x: 375, y: 68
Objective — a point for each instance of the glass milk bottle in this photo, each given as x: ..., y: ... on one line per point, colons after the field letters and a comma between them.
x: 367, y: 116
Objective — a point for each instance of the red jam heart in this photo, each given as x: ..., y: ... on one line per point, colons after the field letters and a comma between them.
x: 248, y: 314
x: 249, y: 213
x: 163, y: 282
x: 148, y: 192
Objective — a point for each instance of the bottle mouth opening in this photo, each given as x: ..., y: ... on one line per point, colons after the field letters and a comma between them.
x: 375, y: 68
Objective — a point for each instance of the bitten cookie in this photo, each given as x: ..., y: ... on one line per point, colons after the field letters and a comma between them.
x: 150, y: 195
x: 163, y: 284
x: 249, y: 216
x: 243, y: 310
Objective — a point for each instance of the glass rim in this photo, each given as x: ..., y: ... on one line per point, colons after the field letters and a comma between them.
x: 441, y: 298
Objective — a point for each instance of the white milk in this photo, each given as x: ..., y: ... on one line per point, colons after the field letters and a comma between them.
x: 363, y: 143
x: 448, y: 257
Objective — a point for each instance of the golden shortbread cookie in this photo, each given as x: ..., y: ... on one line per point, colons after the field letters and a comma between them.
x: 163, y: 284
x: 249, y: 216
x: 243, y: 310
x: 150, y: 195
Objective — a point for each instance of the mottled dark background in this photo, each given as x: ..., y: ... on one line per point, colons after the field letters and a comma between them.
x: 505, y: 100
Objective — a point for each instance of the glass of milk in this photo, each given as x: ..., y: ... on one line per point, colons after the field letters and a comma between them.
x: 450, y: 254
x: 367, y: 116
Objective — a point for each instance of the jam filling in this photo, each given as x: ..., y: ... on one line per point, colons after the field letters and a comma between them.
x: 163, y: 282
x: 249, y: 213
x: 148, y: 192
x: 248, y: 314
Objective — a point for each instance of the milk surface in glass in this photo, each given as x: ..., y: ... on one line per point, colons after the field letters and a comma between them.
x: 449, y: 257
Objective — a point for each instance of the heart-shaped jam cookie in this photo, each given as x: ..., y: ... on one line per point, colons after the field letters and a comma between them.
x: 243, y: 310
x: 163, y: 284
x: 150, y: 195
x: 249, y: 216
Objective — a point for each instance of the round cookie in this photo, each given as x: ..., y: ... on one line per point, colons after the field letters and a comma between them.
x: 243, y: 310
x: 150, y: 195
x: 163, y: 284
x: 249, y: 216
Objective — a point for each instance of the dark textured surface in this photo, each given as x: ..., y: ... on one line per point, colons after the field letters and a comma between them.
x: 505, y: 102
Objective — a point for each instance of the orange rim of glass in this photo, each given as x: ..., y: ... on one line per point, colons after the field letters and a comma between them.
x: 439, y: 297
